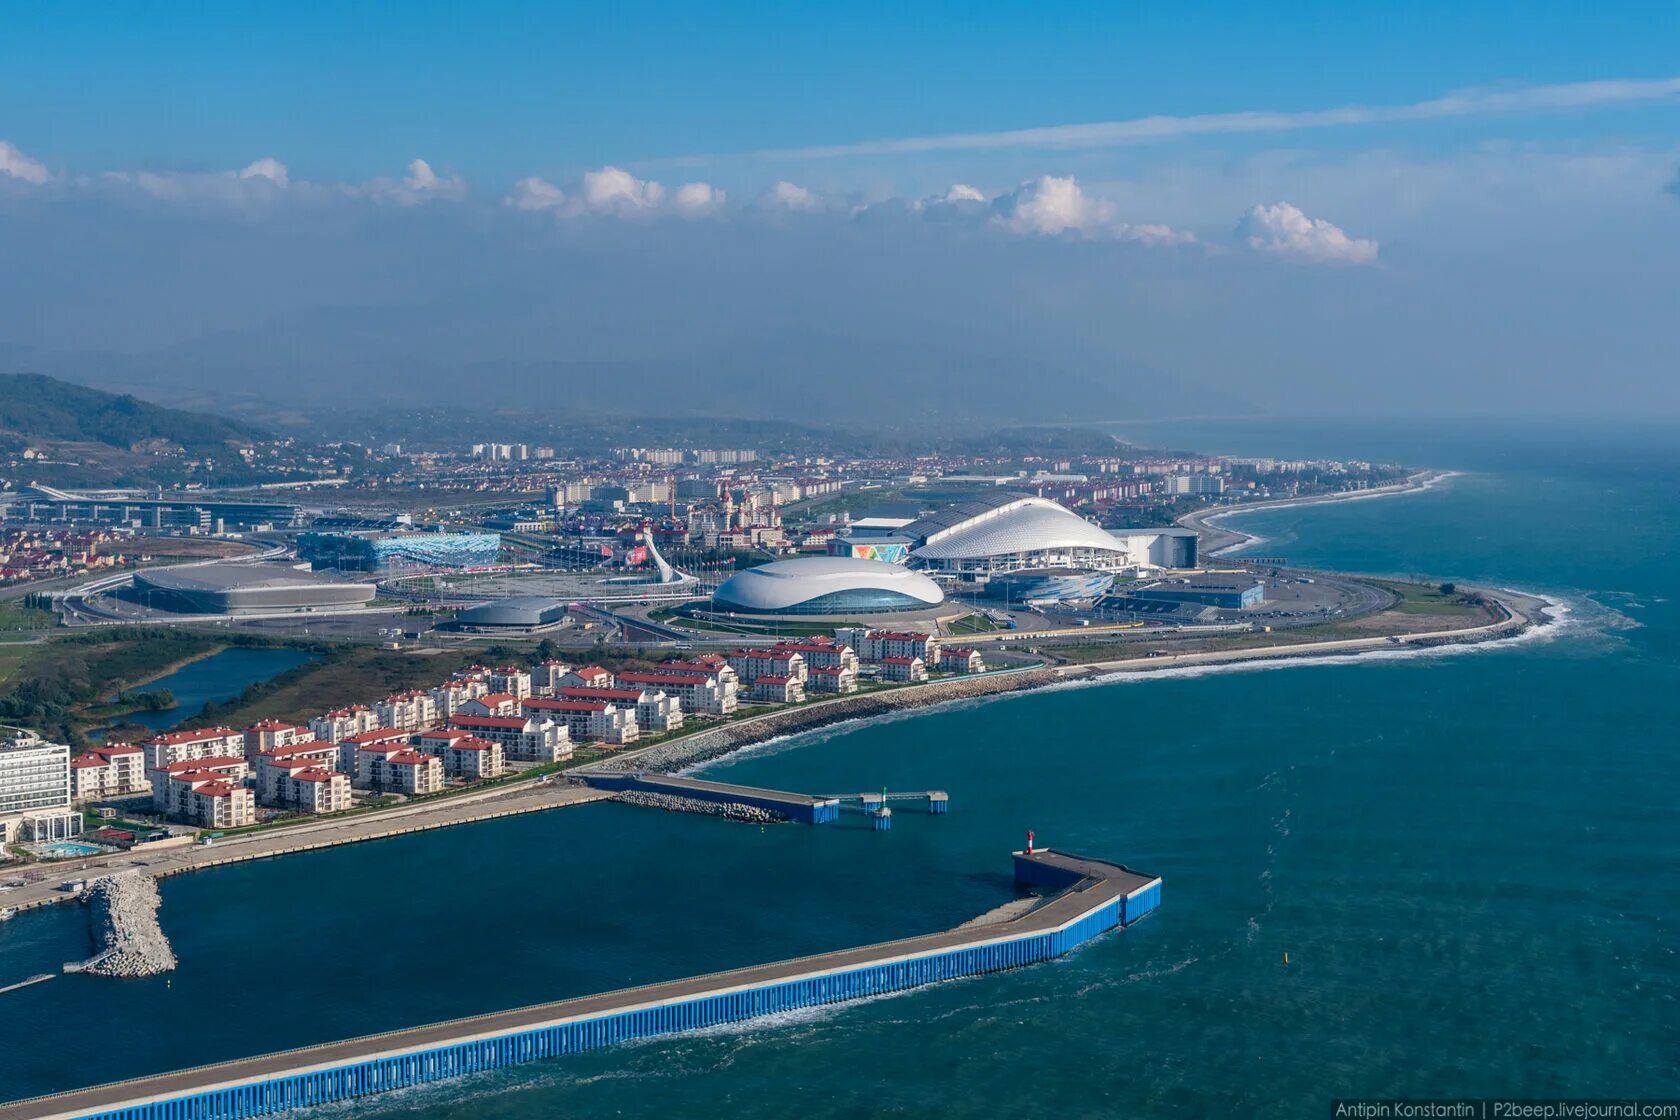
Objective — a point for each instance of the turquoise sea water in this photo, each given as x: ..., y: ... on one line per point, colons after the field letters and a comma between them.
x: 1470, y: 859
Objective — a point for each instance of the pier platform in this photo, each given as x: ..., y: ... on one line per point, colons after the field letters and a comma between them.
x: 795, y: 806
x: 1098, y: 896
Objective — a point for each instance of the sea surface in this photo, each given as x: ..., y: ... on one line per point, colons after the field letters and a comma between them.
x: 1448, y: 873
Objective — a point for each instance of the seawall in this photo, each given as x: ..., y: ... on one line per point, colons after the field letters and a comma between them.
x: 1100, y: 896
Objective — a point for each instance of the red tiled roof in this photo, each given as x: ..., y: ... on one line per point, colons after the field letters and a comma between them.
x: 590, y: 671
x: 315, y: 775
x: 543, y: 705
x: 188, y: 765
x: 377, y: 735
x: 203, y: 735
x: 609, y: 694
x: 664, y: 678
x: 275, y: 725
x: 503, y: 723
x: 410, y: 758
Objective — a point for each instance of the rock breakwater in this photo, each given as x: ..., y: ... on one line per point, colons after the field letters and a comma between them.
x: 126, y: 934
x: 728, y: 810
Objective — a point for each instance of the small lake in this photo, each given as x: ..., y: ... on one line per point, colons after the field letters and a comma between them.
x: 214, y: 679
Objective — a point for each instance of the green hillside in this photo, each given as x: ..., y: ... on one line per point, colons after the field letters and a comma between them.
x: 44, y: 408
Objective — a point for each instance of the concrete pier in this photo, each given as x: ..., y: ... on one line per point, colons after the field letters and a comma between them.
x: 1096, y: 896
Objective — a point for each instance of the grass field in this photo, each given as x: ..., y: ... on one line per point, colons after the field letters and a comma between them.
x: 14, y: 616
x: 1418, y: 599
x: 973, y: 624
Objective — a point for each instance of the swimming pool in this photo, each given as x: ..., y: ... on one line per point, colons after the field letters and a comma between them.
x: 66, y: 849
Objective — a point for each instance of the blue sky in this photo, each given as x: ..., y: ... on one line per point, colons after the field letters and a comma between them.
x: 1327, y: 207
x: 497, y: 90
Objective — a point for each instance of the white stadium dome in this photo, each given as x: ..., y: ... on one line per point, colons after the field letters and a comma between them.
x: 1032, y: 524
x: 827, y: 585
x: 999, y: 533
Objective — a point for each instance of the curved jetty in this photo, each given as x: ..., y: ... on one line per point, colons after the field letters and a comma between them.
x: 126, y: 933
x: 1084, y: 899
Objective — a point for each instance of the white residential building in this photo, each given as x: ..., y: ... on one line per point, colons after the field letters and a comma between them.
x: 112, y: 770
x: 473, y: 759
x: 315, y: 790
x: 546, y: 676
x: 35, y: 790
x: 350, y: 745
x: 523, y: 738
x: 904, y: 670
x: 407, y: 711
x: 271, y: 734
x: 693, y: 691
x: 182, y: 746
x: 832, y: 678
x: 490, y: 704
x: 873, y: 646
x: 341, y: 723
x: 778, y: 689
x: 754, y: 663
x: 511, y: 679
x: 589, y: 719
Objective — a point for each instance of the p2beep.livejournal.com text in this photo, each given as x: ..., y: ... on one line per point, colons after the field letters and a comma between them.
x: 1495, y: 1108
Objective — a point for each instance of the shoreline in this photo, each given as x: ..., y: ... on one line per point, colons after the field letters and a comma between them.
x: 1218, y: 540
x: 1521, y: 614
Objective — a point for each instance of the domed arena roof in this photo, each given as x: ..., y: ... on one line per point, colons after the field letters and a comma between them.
x: 829, y: 585
x: 1025, y: 525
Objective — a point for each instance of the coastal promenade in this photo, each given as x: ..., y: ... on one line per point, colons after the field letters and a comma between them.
x: 505, y: 801
x: 1084, y: 898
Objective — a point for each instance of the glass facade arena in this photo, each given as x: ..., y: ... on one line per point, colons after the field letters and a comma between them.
x: 359, y: 552
x: 856, y: 601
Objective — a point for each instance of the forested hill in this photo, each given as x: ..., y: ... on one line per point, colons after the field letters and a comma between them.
x: 44, y: 408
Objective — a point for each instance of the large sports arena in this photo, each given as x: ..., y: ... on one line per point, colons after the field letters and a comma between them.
x: 246, y: 589
x: 976, y: 540
x: 833, y: 586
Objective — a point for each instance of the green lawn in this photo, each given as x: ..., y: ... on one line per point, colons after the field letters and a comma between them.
x: 973, y: 624
x: 1418, y: 599
x: 14, y: 616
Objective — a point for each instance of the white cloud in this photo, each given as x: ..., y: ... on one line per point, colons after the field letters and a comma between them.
x: 421, y: 184
x: 962, y: 192
x: 1051, y: 205
x: 1284, y: 230
x: 533, y: 193
x: 267, y: 168
x: 791, y: 196
x: 614, y: 190
x: 1153, y: 234
x: 698, y: 199
x: 1141, y: 130
x: 16, y: 165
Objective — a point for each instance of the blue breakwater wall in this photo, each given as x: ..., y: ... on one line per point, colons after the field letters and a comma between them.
x: 379, y: 1075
